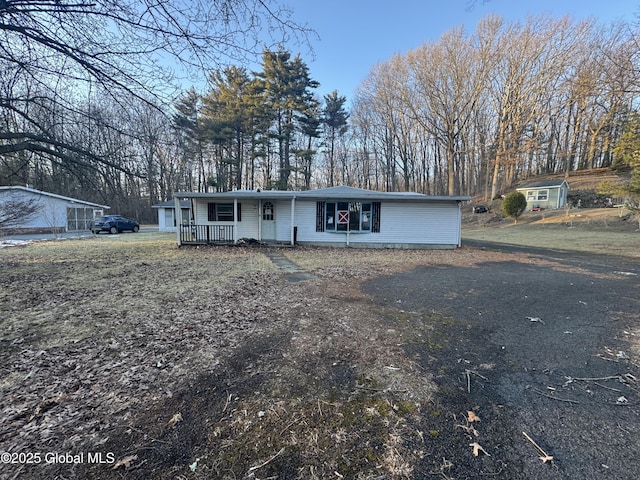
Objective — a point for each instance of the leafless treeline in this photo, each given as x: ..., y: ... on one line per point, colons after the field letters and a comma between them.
x: 84, y: 87
x: 471, y: 114
x: 474, y: 113
x: 468, y: 114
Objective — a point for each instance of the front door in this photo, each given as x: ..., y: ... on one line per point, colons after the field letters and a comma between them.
x: 268, y: 221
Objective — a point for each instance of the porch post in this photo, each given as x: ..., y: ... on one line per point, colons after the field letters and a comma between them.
x: 177, y: 213
x: 235, y: 220
x: 293, y: 216
x: 260, y: 220
x: 459, y: 223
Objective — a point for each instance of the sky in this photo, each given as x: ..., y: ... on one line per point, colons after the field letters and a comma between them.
x: 355, y: 35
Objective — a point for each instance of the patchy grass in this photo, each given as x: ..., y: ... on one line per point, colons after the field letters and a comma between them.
x: 171, y: 357
x: 602, y: 230
x: 209, y: 363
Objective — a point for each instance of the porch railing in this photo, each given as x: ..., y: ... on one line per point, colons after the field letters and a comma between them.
x: 205, y: 234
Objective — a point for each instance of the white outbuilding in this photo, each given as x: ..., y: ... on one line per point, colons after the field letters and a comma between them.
x: 167, y: 215
x: 53, y: 213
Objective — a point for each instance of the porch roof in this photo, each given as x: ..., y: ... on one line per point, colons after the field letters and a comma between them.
x: 171, y: 204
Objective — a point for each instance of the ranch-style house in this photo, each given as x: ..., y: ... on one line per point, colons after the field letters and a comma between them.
x: 335, y: 216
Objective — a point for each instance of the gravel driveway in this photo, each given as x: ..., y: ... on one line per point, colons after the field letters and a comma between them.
x: 542, y: 348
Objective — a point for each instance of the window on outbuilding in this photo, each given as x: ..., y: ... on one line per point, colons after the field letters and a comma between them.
x: 222, y: 212
x: 537, y: 195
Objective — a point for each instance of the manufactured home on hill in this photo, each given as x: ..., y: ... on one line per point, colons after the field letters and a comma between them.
x: 55, y: 213
x: 335, y: 216
x: 546, y: 194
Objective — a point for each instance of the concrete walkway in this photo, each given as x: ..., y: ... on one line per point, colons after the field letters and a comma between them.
x: 293, y: 272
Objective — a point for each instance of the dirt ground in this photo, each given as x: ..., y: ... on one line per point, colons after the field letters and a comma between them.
x: 126, y: 357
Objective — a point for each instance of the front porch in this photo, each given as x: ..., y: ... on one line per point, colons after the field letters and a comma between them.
x: 206, y: 234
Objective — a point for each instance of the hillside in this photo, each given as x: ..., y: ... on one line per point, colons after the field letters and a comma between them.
x: 587, y: 179
x: 583, y: 187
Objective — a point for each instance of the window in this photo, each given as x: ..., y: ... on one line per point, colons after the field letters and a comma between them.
x: 537, y: 195
x: 222, y: 212
x: 345, y: 216
x: 267, y: 211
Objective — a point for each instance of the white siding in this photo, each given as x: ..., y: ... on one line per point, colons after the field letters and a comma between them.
x: 52, y: 214
x: 420, y: 223
x: 401, y: 224
x: 162, y: 220
x: 283, y: 220
x: 248, y: 225
x: 306, y: 222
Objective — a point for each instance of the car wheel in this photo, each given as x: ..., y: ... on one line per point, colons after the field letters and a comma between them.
x: 113, y: 230
x: 136, y: 228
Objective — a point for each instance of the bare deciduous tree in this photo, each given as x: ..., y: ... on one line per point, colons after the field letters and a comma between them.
x: 53, y: 52
x: 508, y: 101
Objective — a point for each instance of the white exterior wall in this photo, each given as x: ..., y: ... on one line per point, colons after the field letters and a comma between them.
x: 401, y: 224
x: 283, y: 220
x: 434, y: 224
x: 306, y: 222
x: 162, y: 225
x: 53, y: 213
x: 248, y: 225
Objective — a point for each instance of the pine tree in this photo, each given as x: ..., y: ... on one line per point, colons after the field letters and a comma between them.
x: 627, y: 153
x: 227, y: 111
x: 188, y: 126
x: 334, y: 118
x: 514, y: 204
x: 287, y: 95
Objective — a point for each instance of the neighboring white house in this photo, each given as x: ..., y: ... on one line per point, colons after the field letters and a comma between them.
x: 548, y: 194
x: 55, y: 212
x: 336, y: 216
x: 167, y: 215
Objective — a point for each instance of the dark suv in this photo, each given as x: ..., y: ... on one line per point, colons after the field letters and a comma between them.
x: 480, y: 209
x: 113, y: 224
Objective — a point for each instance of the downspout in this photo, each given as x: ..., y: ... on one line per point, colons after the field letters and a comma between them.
x: 459, y: 223
x: 177, y: 213
x: 235, y: 220
x: 260, y: 220
x: 293, y: 217
x: 348, y: 230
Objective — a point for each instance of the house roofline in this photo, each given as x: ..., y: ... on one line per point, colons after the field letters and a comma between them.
x: 53, y: 195
x: 332, y: 193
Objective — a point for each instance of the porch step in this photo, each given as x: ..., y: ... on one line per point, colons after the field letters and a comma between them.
x: 292, y: 270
